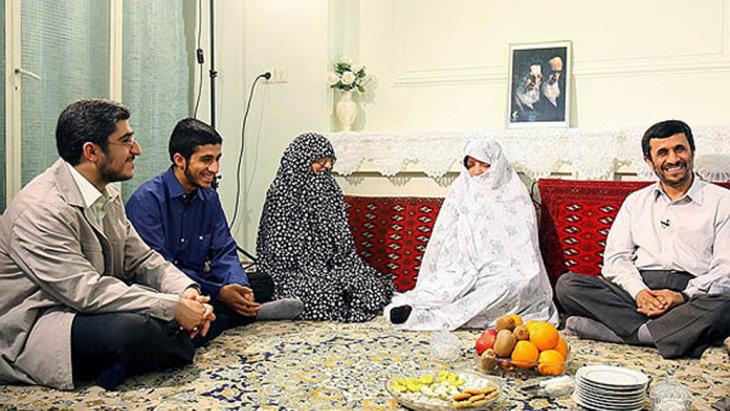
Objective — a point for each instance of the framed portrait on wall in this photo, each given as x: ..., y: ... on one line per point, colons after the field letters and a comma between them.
x: 539, y: 85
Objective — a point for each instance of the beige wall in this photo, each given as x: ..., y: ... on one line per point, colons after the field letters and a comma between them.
x: 443, y: 64
x: 254, y: 36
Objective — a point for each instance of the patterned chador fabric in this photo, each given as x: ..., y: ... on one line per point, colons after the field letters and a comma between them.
x: 483, y: 259
x: 305, y: 243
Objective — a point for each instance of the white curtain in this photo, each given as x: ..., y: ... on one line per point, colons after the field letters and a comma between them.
x: 2, y: 107
x: 67, y: 44
x: 157, y: 78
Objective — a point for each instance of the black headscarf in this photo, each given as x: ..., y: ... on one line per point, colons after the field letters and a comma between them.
x: 305, y: 243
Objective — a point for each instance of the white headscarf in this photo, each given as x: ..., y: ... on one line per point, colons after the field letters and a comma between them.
x: 483, y: 259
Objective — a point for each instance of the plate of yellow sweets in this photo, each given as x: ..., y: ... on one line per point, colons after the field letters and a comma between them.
x: 446, y: 390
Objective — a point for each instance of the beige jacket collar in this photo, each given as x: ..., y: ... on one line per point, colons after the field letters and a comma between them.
x: 72, y: 190
x: 89, y: 193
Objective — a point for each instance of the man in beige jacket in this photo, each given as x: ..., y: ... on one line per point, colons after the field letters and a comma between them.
x: 81, y: 295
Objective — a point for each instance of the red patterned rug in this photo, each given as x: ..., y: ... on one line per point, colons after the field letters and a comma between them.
x: 391, y: 233
x: 575, y: 219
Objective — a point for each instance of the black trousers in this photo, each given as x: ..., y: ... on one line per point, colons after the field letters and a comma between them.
x: 139, y: 342
x: 142, y: 343
x: 263, y: 289
x: 685, y: 330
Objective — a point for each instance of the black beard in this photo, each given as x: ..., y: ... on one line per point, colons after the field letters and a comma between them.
x: 111, y: 177
x: 189, y: 177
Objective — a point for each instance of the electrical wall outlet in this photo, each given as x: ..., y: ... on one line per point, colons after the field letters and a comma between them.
x: 279, y: 75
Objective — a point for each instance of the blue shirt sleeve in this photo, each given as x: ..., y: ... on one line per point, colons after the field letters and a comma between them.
x: 223, y: 251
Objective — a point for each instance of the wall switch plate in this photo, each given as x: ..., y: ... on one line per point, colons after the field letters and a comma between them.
x: 279, y: 75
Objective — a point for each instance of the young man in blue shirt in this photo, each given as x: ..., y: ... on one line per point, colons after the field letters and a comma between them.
x: 179, y: 215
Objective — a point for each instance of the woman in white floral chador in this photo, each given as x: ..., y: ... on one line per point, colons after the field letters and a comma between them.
x: 483, y: 259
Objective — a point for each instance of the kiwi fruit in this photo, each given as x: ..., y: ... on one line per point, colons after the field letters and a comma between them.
x: 504, y: 343
x: 521, y: 333
x: 505, y: 323
x: 488, y: 360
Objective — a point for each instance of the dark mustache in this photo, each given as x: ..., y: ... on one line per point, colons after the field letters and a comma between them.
x: 678, y: 163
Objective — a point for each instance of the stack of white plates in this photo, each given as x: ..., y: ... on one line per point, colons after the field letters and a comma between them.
x: 602, y: 387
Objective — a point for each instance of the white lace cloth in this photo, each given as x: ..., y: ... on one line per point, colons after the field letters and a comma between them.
x: 593, y: 154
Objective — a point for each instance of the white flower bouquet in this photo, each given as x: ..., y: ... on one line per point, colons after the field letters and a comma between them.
x: 347, y: 76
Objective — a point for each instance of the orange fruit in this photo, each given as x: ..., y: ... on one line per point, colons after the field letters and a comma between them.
x: 525, y: 354
x: 562, y: 348
x: 544, y: 335
x: 550, y: 362
x: 517, y: 318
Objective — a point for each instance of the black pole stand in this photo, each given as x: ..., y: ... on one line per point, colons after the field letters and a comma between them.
x: 213, y: 74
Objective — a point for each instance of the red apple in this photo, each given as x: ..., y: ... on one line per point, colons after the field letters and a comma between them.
x: 486, y: 340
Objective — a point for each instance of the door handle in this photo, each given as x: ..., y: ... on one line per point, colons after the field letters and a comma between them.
x: 25, y: 72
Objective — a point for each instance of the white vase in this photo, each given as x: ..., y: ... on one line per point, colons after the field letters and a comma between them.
x: 346, y: 110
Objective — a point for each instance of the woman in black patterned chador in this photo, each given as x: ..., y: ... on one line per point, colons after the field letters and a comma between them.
x: 305, y: 243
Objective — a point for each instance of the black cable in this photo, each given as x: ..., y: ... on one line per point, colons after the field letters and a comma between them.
x: 199, y: 57
x: 533, y: 194
x: 267, y: 76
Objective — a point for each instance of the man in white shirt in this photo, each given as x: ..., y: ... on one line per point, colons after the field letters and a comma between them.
x: 666, y: 274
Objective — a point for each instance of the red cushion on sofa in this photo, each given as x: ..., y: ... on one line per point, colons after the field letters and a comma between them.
x: 391, y: 233
x: 575, y: 217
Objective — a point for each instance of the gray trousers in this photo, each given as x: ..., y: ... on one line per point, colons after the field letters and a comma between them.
x: 685, y: 330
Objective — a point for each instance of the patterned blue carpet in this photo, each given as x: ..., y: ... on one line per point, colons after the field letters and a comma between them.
x: 324, y: 366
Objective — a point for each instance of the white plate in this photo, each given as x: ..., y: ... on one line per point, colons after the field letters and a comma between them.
x: 630, y: 402
x: 632, y: 390
x: 611, y: 386
x: 601, y: 403
x: 602, y: 406
x: 610, y: 376
x: 611, y: 396
x: 609, y: 391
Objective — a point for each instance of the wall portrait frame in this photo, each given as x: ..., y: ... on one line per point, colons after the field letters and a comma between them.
x: 539, y: 84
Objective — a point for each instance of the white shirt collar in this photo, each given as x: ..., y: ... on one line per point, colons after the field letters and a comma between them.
x: 88, y: 192
x: 694, y: 193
